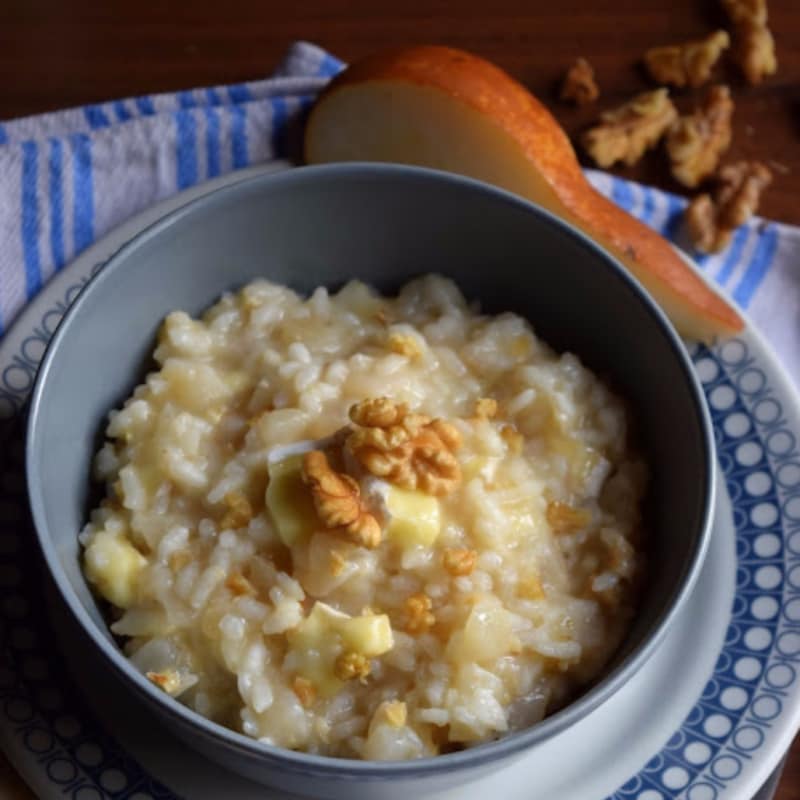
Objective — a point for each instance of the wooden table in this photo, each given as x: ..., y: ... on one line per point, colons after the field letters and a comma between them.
x: 57, y: 53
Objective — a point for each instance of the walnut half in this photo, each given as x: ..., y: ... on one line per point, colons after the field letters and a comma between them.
x: 409, y: 450
x: 696, y: 141
x: 626, y: 132
x: 337, y: 498
x: 711, y: 221
x: 755, y: 47
x: 687, y: 64
x: 580, y: 86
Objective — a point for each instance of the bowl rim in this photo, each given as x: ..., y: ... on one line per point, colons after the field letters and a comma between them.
x: 311, y: 765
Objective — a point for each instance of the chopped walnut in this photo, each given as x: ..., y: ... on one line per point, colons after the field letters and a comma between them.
x: 378, y: 412
x: 337, y: 563
x: 711, y: 222
x: 532, y: 588
x: 696, y: 142
x: 305, y: 691
x: 351, y: 665
x: 337, y: 498
x: 755, y: 47
x: 395, y: 712
x: 405, y: 344
x: 179, y: 559
x: 239, y: 512
x: 485, y: 407
x: 701, y: 224
x: 512, y: 438
x: 687, y: 64
x: 239, y: 585
x: 168, y: 680
x: 419, y: 617
x: 580, y: 86
x: 410, y: 450
x: 459, y: 560
x: 626, y: 132
x: 564, y: 518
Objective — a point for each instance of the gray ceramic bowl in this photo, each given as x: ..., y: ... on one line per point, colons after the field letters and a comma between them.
x: 382, y: 224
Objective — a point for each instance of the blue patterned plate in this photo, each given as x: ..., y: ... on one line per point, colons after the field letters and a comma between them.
x: 709, y: 716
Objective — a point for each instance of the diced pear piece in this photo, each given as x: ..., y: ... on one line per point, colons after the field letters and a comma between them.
x: 113, y: 565
x: 195, y: 386
x: 487, y: 634
x: 326, y: 633
x: 289, y: 501
x: 414, y: 518
x: 370, y: 634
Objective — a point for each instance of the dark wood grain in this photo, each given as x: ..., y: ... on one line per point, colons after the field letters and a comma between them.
x: 57, y: 53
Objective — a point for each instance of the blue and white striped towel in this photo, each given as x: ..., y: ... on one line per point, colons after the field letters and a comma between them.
x: 66, y: 178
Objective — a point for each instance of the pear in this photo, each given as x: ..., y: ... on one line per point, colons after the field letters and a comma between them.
x: 447, y: 109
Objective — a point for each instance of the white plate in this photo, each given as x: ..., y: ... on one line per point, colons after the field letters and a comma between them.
x: 709, y: 716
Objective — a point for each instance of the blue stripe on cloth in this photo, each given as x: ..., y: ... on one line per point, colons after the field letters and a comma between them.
x: 3, y: 135
x: 672, y: 223
x: 145, y: 106
x: 213, y: 97
x: 329, y: 66
x: 186, y: 149
x: 212, y: 142
x: 734, y: 255
x: 649, y: 205
x: 123, y: 115
x: 279, y: 127
x: 186, y: 99
x: 701, y: 259
x: 621, y: 193
x: 96, y: 117
x: 239, y: 136
x: 239, y: 93
x: 56, y: 193
x: 30, y: 219
x: 759, y: 265
x: 82, y: 192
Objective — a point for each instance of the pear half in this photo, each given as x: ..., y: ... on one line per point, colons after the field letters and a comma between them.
x: 447, y: 109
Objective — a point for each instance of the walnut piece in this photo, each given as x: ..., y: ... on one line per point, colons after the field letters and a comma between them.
x: 239, y: 512
x: 580, y: 86
x: 512, y: 438
x: 405, y: 344
x: 349, y: 665
x: 179, y: 559
x: 564, y: 518
x: 337, y: 498
x: 337, y: 563
x: 459, y: 560
x: 531, y: 588
x: 697, y: 141
x: 305, y: 690
x: 419, y: 617
x: 409, y: 450
x: 624, y: 133
x: 711, y: 222
x: 394, y: 712
x: 485, y: 407
x: 687, y: 64
x: 755, y: 47
x: 239, y: 585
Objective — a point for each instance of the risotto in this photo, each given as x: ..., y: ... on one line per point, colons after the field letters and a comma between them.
x: 367, y: 527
